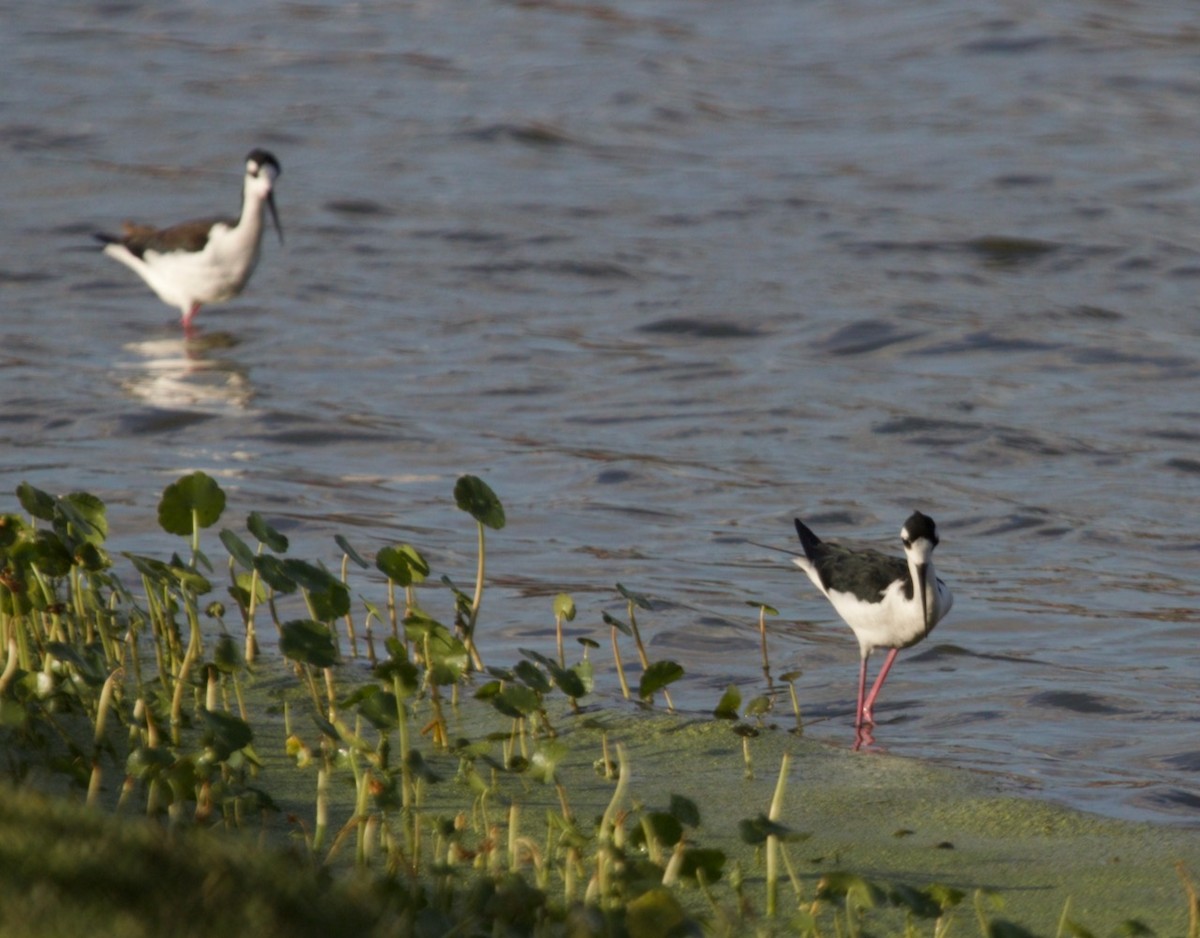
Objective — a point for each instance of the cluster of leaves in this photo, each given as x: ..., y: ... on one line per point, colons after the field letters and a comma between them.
x: 95, y: 677
x: 154, y: 685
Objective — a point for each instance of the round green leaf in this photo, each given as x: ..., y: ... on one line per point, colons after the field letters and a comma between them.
x: 237, y: 548
x: 686, y: 810
x: 309, y: 642
x: 46, y: 551
x: 350, y: 552
x: 226, y: 656
x: 270, y: 568
x: 473, y: 496
x: 636, y: 598
x: 145, y: 763
x: 564, y: 607
x: 80, y: 519
x: 759, y: 705
x: 12, y: 527
x: 404, y: 675
x: 528, y: 672
x: 516, y: 700
x: 402, y: 564
x: 727, y: 706
x: 380, y: 708
x: 536, y: 656
x: 196, y: 493
x: 225, y: 734
x: 257, y: 525
x: 756, y: 830
x: 448, y: 657
x: 571, y: 681
x: 769, y: 610
x: 190, y: 581
x: 38, y: 503
x: 92, y: 558
x: 329, y: 596
x: 154, y: 570
x: 665, y: 827
x: 658, y: 676
x: 706, y: 862
x: 586, y: 674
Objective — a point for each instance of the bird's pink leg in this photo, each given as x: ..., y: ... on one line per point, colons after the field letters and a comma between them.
x: 862, y: 689
x: 867, y: 710
x: 188, y: 315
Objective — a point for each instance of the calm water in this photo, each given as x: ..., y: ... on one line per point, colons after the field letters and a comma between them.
x: 665, y: 274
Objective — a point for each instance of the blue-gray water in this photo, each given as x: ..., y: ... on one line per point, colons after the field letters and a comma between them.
x: 665, y: 273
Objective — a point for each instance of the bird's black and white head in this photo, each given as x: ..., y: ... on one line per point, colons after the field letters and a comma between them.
x: 919, y: 536
x: 262, y: 169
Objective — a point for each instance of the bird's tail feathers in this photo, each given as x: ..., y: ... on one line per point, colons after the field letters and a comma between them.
x: 808, y: 540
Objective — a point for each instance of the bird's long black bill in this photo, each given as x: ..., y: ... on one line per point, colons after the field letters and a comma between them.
x: 922, y: 580
x: 274, y: 215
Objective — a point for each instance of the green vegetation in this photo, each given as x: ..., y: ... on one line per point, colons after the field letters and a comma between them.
x: 165, y: 774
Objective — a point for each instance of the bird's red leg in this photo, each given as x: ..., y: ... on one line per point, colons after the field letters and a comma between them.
x: 862, y: 689
x: 867, y: 709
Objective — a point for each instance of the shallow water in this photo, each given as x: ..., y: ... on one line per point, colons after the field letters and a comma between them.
x: 665, y: 274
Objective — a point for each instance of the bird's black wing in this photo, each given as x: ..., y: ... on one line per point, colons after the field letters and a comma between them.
x: 865, y: 573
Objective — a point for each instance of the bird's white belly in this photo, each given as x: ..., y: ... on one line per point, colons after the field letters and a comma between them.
x: 894, y: 622
x: 181, y: 279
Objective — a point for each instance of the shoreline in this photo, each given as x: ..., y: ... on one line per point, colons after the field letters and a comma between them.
x: 905, y: 820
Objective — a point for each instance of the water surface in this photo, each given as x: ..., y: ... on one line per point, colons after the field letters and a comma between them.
x: 666, y: 275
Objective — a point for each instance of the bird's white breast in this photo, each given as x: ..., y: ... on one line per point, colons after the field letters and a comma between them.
x: 894, y: 620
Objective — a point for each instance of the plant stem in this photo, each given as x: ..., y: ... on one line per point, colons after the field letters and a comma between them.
x: 762, y: 633
x: 773, y: 814
x: 620, y: 667
x: 106, y: 695
x: 189, y: 658
x: 477, y: 601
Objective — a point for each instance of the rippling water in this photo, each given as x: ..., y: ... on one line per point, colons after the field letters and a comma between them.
x: 666, y: 274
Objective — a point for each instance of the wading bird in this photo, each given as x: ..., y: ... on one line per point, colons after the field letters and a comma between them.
x: 209, y: 260
x: 889, y: 602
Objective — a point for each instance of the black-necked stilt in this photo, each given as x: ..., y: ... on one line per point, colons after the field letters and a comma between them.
x: 889, y: 602
x: 204, y: 261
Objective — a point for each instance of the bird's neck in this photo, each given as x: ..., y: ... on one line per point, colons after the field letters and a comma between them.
x: 250, y: 221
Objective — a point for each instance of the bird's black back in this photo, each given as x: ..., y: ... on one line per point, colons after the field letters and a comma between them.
x: 865, y: 573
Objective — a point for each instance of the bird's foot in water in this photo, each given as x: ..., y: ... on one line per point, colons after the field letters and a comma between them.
x: 863, y: 736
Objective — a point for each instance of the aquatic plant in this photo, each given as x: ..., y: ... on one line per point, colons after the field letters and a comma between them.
x: 475, y: 799
x: 475, y: 497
